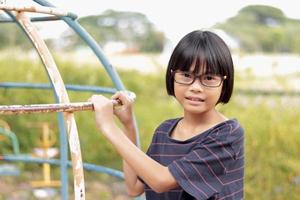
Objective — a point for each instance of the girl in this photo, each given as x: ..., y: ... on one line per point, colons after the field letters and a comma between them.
x: 197, y: 156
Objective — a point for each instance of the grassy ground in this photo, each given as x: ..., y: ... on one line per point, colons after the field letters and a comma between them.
x: 271, y: 125
x: 99, y: 187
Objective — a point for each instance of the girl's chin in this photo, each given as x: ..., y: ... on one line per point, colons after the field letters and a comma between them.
x: 194, y: 109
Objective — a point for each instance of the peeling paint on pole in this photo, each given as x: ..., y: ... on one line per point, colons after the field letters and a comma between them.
x: 54, y: 75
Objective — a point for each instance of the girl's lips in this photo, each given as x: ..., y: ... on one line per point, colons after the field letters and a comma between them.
x: 195, y: 99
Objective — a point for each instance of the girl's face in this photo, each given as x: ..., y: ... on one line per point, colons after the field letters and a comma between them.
x: 196, y: 98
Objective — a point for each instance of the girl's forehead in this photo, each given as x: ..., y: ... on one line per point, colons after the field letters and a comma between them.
x: 198, y: 69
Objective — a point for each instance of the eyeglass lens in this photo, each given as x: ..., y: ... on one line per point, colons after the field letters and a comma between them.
x: 210, y: 80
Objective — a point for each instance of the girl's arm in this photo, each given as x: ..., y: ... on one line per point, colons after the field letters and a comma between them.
x: 125, y: 114
x: 157, y: 176
x: 133, y: 185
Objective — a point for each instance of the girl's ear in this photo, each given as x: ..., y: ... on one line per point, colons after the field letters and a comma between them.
x: 221, y: 96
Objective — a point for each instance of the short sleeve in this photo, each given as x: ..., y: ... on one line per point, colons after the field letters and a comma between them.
x: 202, y: 172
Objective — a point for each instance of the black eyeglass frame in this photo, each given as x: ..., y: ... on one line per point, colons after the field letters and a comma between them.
x: 198, y: 76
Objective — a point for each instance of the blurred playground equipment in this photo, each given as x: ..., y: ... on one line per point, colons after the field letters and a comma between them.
x: 7, y: 134
x: 18, y: 14
x: 45, y: 150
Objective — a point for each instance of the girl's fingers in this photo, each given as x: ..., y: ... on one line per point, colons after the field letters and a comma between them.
x: 115, y: 96
x: 98, y: 100
x: 123, y: 97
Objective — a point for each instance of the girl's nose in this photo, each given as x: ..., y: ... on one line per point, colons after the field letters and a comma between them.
x: 196, y: 85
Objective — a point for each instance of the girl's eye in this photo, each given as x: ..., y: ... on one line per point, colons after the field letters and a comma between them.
x: 187, y: 75
x: 209, y: 77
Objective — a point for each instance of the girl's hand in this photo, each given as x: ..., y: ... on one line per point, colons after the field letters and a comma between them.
x: 103, y: 111
x: 123, y: 111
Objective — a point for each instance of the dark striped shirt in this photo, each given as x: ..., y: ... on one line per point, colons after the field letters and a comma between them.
x: 207, y: 166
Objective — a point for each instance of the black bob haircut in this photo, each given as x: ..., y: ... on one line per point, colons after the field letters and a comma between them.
x: 205, y: 50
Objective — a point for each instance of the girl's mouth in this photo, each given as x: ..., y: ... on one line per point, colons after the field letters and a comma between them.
x: 196, y: 99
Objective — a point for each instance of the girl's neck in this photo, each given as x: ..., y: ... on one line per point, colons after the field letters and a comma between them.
x: 204, y: 119
x: 195, y: 124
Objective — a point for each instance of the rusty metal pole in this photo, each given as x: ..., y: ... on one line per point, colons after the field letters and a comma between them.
x: 48, y: 108
x: 44, y: 108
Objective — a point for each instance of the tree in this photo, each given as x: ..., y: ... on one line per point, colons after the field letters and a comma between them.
x: 131, y: 28
x: 263, y: 28
x: 264, y: 15
x: 12, y: 36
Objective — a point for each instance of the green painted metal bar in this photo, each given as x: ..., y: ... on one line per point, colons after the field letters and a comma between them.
x: 13, y: 138
x: 92, y: 44
x: 82, y: 88
x: 87, y: 166
x: 33, y: 19
x: 9, y: 170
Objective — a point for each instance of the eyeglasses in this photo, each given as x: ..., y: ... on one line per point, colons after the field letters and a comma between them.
x: 207, y: 80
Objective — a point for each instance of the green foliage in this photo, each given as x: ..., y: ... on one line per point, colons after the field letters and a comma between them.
x: 263, y: 28
x: 272, y: 163
x: 131, y: 28
x: 263, y: 14
x: 11, y: 35
x: 271, y: 126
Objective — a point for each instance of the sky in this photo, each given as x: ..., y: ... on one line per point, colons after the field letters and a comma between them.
x: 177, y: 17
x: 174, y: 17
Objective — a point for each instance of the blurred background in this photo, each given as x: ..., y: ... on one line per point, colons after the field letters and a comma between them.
x: 138, y: 37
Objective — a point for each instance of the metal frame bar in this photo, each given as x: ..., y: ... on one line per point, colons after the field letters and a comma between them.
x: 62, y: 96
x: 82, y: 88
x: 47, y: 108
x: 33, y: 19
x: 63, y: 141
x: 39, y: 9
x: 14, y: 140
x: 87, y: 166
